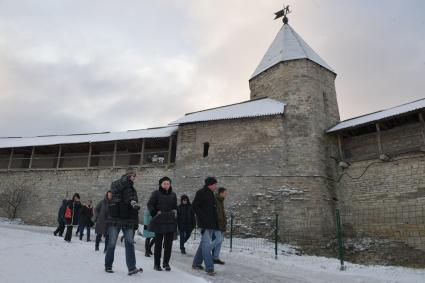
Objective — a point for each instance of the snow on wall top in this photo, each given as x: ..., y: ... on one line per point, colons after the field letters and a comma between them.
x: 83, y: 138
x: 252, y: 108
x: 369, y: 118
x: 286, y: 46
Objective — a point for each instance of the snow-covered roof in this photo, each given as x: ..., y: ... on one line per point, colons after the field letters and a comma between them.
x: 251, y: 108
x: 288, y: 45
x: 376, y: 116
x: 83, y: 138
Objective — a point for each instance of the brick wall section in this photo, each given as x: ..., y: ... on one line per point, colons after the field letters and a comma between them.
x: 49, y: 187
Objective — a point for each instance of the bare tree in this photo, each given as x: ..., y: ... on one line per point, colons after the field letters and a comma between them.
x: 11, y: 198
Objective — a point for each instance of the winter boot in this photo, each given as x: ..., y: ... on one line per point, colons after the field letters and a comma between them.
x: 183, y: 250
x: 109, y: 270
x: 166, y: 266
x: 134, y: 271
x: 157, y: 268
x: 218, y: 261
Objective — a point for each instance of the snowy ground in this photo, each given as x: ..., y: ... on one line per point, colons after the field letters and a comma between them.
x: 45, y: 258
x: 26, y: 256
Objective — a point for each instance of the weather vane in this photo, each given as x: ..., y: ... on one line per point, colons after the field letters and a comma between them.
x: 282, y: 13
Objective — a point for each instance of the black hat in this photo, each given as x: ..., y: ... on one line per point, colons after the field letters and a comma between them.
x: 210, y: 181
x: 164, y: 179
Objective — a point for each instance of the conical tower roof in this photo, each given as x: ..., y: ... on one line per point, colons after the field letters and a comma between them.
x: 288, y: 45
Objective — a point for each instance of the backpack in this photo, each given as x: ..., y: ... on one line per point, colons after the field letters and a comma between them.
x: 68, y: 213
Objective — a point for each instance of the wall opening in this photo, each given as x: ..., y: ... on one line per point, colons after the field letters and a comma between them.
x: 206, y: 149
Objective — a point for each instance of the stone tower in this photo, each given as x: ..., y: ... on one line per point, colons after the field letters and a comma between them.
x: 293, y: 73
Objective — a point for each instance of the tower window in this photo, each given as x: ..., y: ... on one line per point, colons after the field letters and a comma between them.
x: 206, y: 148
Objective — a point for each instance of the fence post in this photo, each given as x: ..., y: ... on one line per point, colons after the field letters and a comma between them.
x: 231, y: 231
x: 276, y: 235
x: 339, y: 235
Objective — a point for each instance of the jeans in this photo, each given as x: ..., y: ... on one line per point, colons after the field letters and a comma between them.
x: 184, y: 236
x: 130, y: 257
x: 216, y: 243
x: 204, y: 251
x: 167, y: 239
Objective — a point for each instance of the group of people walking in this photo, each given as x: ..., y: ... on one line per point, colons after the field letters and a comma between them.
x: 72, y: 213
x: 163, y: 217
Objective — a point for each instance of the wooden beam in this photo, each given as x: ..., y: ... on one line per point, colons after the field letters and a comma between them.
x: 142, y: 153
x: 114, y: 157
x: 32, y: 157
x: 89, y: 157
x: 170, y: 144
x: 341, y: 152
x: 58, y: 162
x: 421, y: 119
x: 378, y: 138
x: 10, y: 158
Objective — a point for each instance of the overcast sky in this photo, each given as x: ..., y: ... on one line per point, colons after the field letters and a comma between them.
x: 88, y: 66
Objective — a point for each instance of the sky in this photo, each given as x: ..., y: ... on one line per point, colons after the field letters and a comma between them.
x: 105, y: 65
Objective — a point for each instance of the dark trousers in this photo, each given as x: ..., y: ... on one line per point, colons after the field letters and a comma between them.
x: 167, y: 239
x: 98, y: 238
x: 184, y: 236
x: 149, y: 242
x: 82, y: 232
x: 60, y: 229
x: 68, y: 233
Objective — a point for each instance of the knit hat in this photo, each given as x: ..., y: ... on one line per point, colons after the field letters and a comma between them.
x: 210, y: 181
x: 130, y: 171
x: 165, y: 178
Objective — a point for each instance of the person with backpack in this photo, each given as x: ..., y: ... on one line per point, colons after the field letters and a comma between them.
x: 61, y: 220
x: 72, y: 209
x: 163, y: 207
x: 185, y: 221
x: 123, y: 215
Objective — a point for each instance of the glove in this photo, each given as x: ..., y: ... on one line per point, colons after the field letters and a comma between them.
x: 134, y: 205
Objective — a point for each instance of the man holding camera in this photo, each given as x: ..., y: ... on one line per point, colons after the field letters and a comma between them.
x: 123, y: 215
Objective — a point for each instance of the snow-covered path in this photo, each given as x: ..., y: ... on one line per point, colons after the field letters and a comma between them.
x: 45, y: 258
x: 26, y: 256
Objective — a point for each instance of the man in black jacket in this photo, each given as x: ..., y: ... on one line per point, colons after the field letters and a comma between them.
x: 123, y: 215
x: 205, y: 209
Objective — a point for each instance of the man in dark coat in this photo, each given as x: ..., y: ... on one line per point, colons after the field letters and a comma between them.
x: 221, y: 217
x: 72, y: 209
x: 162, y: 206
x: 101, y: 213
x: 205, y: 208
x: 123, y: 215
x: 61, y: 220
x: 185, y: 221
x: 86, y: 216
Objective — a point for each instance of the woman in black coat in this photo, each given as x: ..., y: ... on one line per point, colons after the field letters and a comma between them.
x: 185, y: 221
x: 86, y: 216
x: 163, y: 207
x: 72, y: 210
